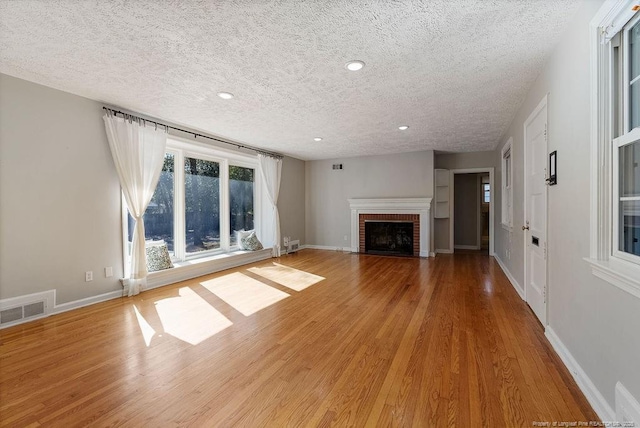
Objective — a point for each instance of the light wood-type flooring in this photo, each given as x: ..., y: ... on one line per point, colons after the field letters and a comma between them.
x: 317, y: 338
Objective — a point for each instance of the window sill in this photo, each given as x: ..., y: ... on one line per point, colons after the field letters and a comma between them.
x: 623, y: 275
x: 204, y: 265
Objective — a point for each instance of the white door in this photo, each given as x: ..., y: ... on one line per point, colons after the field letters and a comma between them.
x: 535, y: 227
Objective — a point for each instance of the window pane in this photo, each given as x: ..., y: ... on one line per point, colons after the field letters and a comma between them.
x: 630, y: 227
x: 240, y: 199
x: 507, y: 169
x: 202, y: 204
x: 630, y: 170
x: 158, y: 218
x: 634, y: 72
x: 634, y: 51
x: 634, y: 105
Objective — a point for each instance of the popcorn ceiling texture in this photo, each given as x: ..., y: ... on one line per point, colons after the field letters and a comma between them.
x: 454, y: 71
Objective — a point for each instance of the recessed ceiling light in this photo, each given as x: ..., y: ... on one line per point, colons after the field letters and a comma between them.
x: 225, y: 95
x: 354, y: 65
x: 403, y: 127
x: 317, y: 139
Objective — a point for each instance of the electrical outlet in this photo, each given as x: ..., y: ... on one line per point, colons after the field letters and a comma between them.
x: 88, y: 276
x: 108, y: 272
x: 346, y: 237
x: 286, y: 241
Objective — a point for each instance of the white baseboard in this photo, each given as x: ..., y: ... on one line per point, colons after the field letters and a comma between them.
x: 75, y: 304
x: 154, y: 280
x: 443, y: 251
x: 467, y: 247
x: 627, y: 407
x: 510, y: 277
x: 595, y: 398
x: 329, y: 248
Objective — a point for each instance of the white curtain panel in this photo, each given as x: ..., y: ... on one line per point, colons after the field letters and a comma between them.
x: 138, y: 153
x: 271, y: 172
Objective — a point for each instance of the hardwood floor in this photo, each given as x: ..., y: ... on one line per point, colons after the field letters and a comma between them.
x: 370, y: 341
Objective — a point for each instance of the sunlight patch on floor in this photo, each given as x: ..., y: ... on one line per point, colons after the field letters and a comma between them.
x: 145, y: 328
x: 244, y: 293
x: 291, y: 278
x: 189, y: 317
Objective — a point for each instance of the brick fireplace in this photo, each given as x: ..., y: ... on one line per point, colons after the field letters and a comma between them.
x: 409, y: 218
x: 414, y: 210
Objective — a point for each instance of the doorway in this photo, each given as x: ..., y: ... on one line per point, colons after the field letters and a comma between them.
x: 471, y: 210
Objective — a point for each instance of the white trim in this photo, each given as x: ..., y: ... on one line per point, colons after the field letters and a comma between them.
x: 51, y: 308
x: 613, y: 16
x: 328, y: 248
x: 185, y: 270
x: 507, y: 191
x: 622, y: 274
x: 420, y: 206
x: 443, y: 251
x: 80, y: 303
x: 588, y: 388
x: 491, y: 172
x: 627, y: 407
x: 606, y: 263
x: 510, y: 277
x: 198, y: 267
x: 467, y: 247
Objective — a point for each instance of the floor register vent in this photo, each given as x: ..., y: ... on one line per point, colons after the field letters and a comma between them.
x: 25, y: 308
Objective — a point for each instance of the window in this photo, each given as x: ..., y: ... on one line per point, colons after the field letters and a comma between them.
x: 625, y: 53
x: 486, y: 196
x: 203, y: 196
x: 507, y: 187
x: 158, y: 218
x: 240, y: 199
x: 202, y: 204
x: 615, y: 149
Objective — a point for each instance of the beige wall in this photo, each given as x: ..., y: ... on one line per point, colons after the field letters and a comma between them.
x: 592, y: 318
x: 60, y: 209
x: 465, y: 160
x: 291, y: 201
x: 60, y: 212
x: 328, y: 218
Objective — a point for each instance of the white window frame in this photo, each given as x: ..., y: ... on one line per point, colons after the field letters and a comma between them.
x: 507, y: 185
x: 606, y: 262
x: 181, y: 148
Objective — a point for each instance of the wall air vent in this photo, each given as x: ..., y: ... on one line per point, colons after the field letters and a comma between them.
x: 293, y: 246
x: 21, y: 309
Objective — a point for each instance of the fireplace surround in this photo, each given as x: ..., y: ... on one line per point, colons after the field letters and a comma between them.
x: 415, y: 210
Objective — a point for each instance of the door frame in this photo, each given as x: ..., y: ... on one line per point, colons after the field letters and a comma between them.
x: 543, y: 104
x: 452, y: 173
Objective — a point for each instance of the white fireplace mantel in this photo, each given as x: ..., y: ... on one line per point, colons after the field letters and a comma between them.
x: 420, y: 206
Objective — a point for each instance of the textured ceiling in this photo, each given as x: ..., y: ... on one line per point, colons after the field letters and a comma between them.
x: 454, y: 71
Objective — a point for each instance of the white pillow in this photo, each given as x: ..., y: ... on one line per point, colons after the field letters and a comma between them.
x: 240, y: 234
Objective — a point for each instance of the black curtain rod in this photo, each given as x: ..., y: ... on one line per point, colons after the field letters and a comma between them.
x: 196, y: 135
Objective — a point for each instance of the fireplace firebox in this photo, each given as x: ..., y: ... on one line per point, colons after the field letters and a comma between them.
x: 388, y: 237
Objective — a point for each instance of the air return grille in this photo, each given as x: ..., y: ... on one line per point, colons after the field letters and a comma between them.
x: 25, y: 308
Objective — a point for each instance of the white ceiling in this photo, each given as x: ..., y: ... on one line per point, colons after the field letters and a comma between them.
x: 454, y: 71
